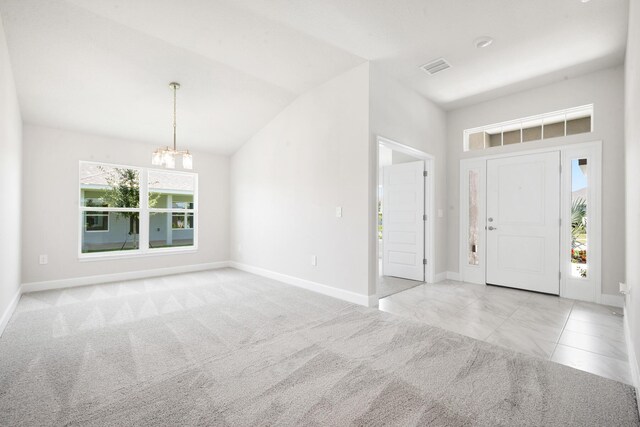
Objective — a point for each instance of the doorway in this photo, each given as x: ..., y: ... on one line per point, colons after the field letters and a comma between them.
x: 403, y: 207
x: 531, y: 220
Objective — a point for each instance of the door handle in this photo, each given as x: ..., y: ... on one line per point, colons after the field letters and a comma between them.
x: 491, y: 228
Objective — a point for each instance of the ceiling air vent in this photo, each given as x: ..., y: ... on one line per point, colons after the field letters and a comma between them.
x: 436, y: 66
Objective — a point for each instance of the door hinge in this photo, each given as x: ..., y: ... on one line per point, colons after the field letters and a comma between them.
x: 424, y: 261
x: 560, y: 168
x: 560, y: 222
x: 560, y: 275
x: 424, y: 217
x: 425, y: 173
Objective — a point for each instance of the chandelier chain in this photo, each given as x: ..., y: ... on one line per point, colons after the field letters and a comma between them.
x: 175, y: 89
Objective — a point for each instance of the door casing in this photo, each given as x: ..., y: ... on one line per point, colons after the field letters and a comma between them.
x: 429, y: 201
x: 583, y: 289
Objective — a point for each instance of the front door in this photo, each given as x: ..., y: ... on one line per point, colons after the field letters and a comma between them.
x: 523, y: 222
x: 402, y: 220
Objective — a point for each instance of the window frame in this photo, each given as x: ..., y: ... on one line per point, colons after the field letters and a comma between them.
x: 583, y: 288
x: 144, y: 211
x: 513, y: 125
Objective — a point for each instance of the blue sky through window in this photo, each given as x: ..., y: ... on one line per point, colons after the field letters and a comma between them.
x: 578, y: 179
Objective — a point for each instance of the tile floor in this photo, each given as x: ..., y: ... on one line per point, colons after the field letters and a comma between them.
x: 582, y: 335
x: 388, y: 285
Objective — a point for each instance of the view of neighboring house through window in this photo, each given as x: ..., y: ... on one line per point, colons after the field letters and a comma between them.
x: 110, y: 203
x: 171, y: 218
x: 579, y: 223
x: 116, y: 200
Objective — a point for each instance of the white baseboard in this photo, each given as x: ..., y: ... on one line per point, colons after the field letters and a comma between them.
x: 452, y: 275
x: 4, y: 320
x: 631, y: 352
x: 352, y: 297
x: 612, y: 300
x: 117, y: 277
x: 447, y: 275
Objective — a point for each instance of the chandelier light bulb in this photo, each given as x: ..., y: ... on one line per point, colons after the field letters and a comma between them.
x: 169, y: 160
x: 156, y: 160
x: 187, y: 161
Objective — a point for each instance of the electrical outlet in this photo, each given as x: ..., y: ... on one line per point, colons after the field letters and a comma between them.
x: 44, y: 259
x: 314, y: 260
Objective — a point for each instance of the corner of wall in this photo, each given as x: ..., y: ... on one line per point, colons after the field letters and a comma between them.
x: 310, y: 158
x: 10, y: 185
x: 632, y: 155
x: 10, y: 309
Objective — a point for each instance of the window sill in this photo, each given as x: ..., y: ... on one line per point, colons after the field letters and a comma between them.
x: 136, y: 254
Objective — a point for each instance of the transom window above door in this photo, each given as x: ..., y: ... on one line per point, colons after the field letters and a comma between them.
x: 528, y: 129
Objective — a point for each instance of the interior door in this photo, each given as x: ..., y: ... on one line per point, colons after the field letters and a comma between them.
x: 402, y: 220
x: 523, y: 222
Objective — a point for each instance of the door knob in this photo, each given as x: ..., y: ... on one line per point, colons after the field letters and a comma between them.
x: 491, y: 228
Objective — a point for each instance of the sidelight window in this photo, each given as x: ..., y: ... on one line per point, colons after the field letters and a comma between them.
x: 579, y: 217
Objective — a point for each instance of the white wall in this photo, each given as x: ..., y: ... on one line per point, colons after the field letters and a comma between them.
x: 50, y: 204
x: 632, y: 144
x: 605, y: 89
x: 288, y: 179
x: 404, y: 116
x: 10, y: 178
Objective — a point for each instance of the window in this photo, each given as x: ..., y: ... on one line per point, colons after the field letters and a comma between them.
x: 180, y: 221
x: 473, y: 218
x: 579, y: 212
x: 136, y: 210
x: 96, y: 221
x: 171, y: 198
x: 535, y: 128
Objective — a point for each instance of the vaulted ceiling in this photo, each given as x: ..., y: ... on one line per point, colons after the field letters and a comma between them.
x: 103, y: 66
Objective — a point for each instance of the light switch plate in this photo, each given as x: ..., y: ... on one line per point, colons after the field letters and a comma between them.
x: 440, y: 213
x: 314, y: 260
x: 44, y: 259
x: 339, y: 212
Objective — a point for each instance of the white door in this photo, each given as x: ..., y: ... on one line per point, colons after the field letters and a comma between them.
x: 523, y: 222
x: 402, y: 220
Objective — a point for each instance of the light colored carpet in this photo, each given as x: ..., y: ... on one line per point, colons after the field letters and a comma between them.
x: 227, y: 348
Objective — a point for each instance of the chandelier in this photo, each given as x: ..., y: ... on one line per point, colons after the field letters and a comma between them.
x: 166, y: 156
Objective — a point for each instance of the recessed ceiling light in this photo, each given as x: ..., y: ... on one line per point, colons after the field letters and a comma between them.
x: 482, y: 42
x: 585, y: 1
